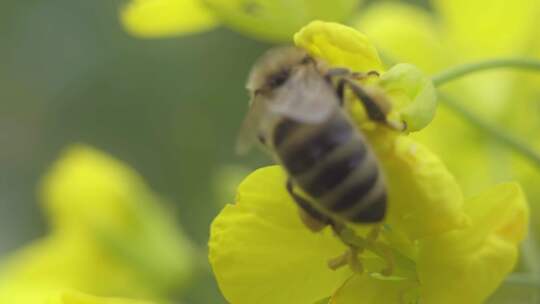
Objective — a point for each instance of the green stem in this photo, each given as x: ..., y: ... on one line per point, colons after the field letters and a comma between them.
x: 469, y: 68
x: 493, y: 130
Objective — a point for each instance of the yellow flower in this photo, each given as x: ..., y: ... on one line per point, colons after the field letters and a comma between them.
x: 413, y: 95
x: 149, y: 18
x: 262, y: 253
x: 71, y: 297
x: 461, y: 32
x: 262, y: 19
x: 110, y: 235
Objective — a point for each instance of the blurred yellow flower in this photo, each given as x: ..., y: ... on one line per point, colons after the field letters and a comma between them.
x: 261, y: 19
x: 110, y: 236
x: 445, y: 249
x: 149, y: 18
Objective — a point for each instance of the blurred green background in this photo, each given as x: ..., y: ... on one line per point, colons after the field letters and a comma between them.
x: 170, y: 108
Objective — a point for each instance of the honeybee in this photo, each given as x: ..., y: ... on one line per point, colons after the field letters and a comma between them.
x: 296, y: 111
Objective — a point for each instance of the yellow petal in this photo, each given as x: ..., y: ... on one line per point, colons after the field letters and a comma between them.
x: 157, y: 18
x: 278, y: 20
x: 488, y: 28
x: 365, y: 289
x: 261, y: 252
x: 423, y: 197
x: 412, y: 93
x: 19, y: 278
x: 71, y: 297
x: 87, y: 187
x: 339, y: 45
x: 502, y: 211
x: 404, y: 33
x: 461, y: 148
x: 101, y: 200
x: 43, y: 267
x: 466, y: 266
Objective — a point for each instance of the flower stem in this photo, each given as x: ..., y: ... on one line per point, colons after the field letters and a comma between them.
x: 493, y: 130
x: 470, y: 68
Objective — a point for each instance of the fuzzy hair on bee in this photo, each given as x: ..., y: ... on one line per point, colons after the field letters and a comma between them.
x: 296, y: 113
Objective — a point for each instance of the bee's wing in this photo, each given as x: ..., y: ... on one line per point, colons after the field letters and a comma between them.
x: 306, y: 97
x: 254, y: 124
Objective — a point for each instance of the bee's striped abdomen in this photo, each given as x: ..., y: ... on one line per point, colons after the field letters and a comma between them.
x: 363, y: 200
x: 302, y: 146
x: 333, y: 164
x: 334, y: 172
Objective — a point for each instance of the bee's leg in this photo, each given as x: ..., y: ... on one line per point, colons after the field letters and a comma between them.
x: 344, y: 72
x: 337, y: 72
x: 340, y: 90
x: 312, y: 218
x: 351, y: 256
x: 339, y: 76
x: 358, y: 244
x: 374, y: 112
x: 374, y: 233
x: 376, y: 109
x: 383, y: 251
x: 357, y: 75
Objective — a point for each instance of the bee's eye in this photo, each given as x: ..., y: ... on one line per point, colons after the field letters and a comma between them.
x: 278, y: 78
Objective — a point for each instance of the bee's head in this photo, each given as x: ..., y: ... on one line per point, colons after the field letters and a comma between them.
x: 274, y: 68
